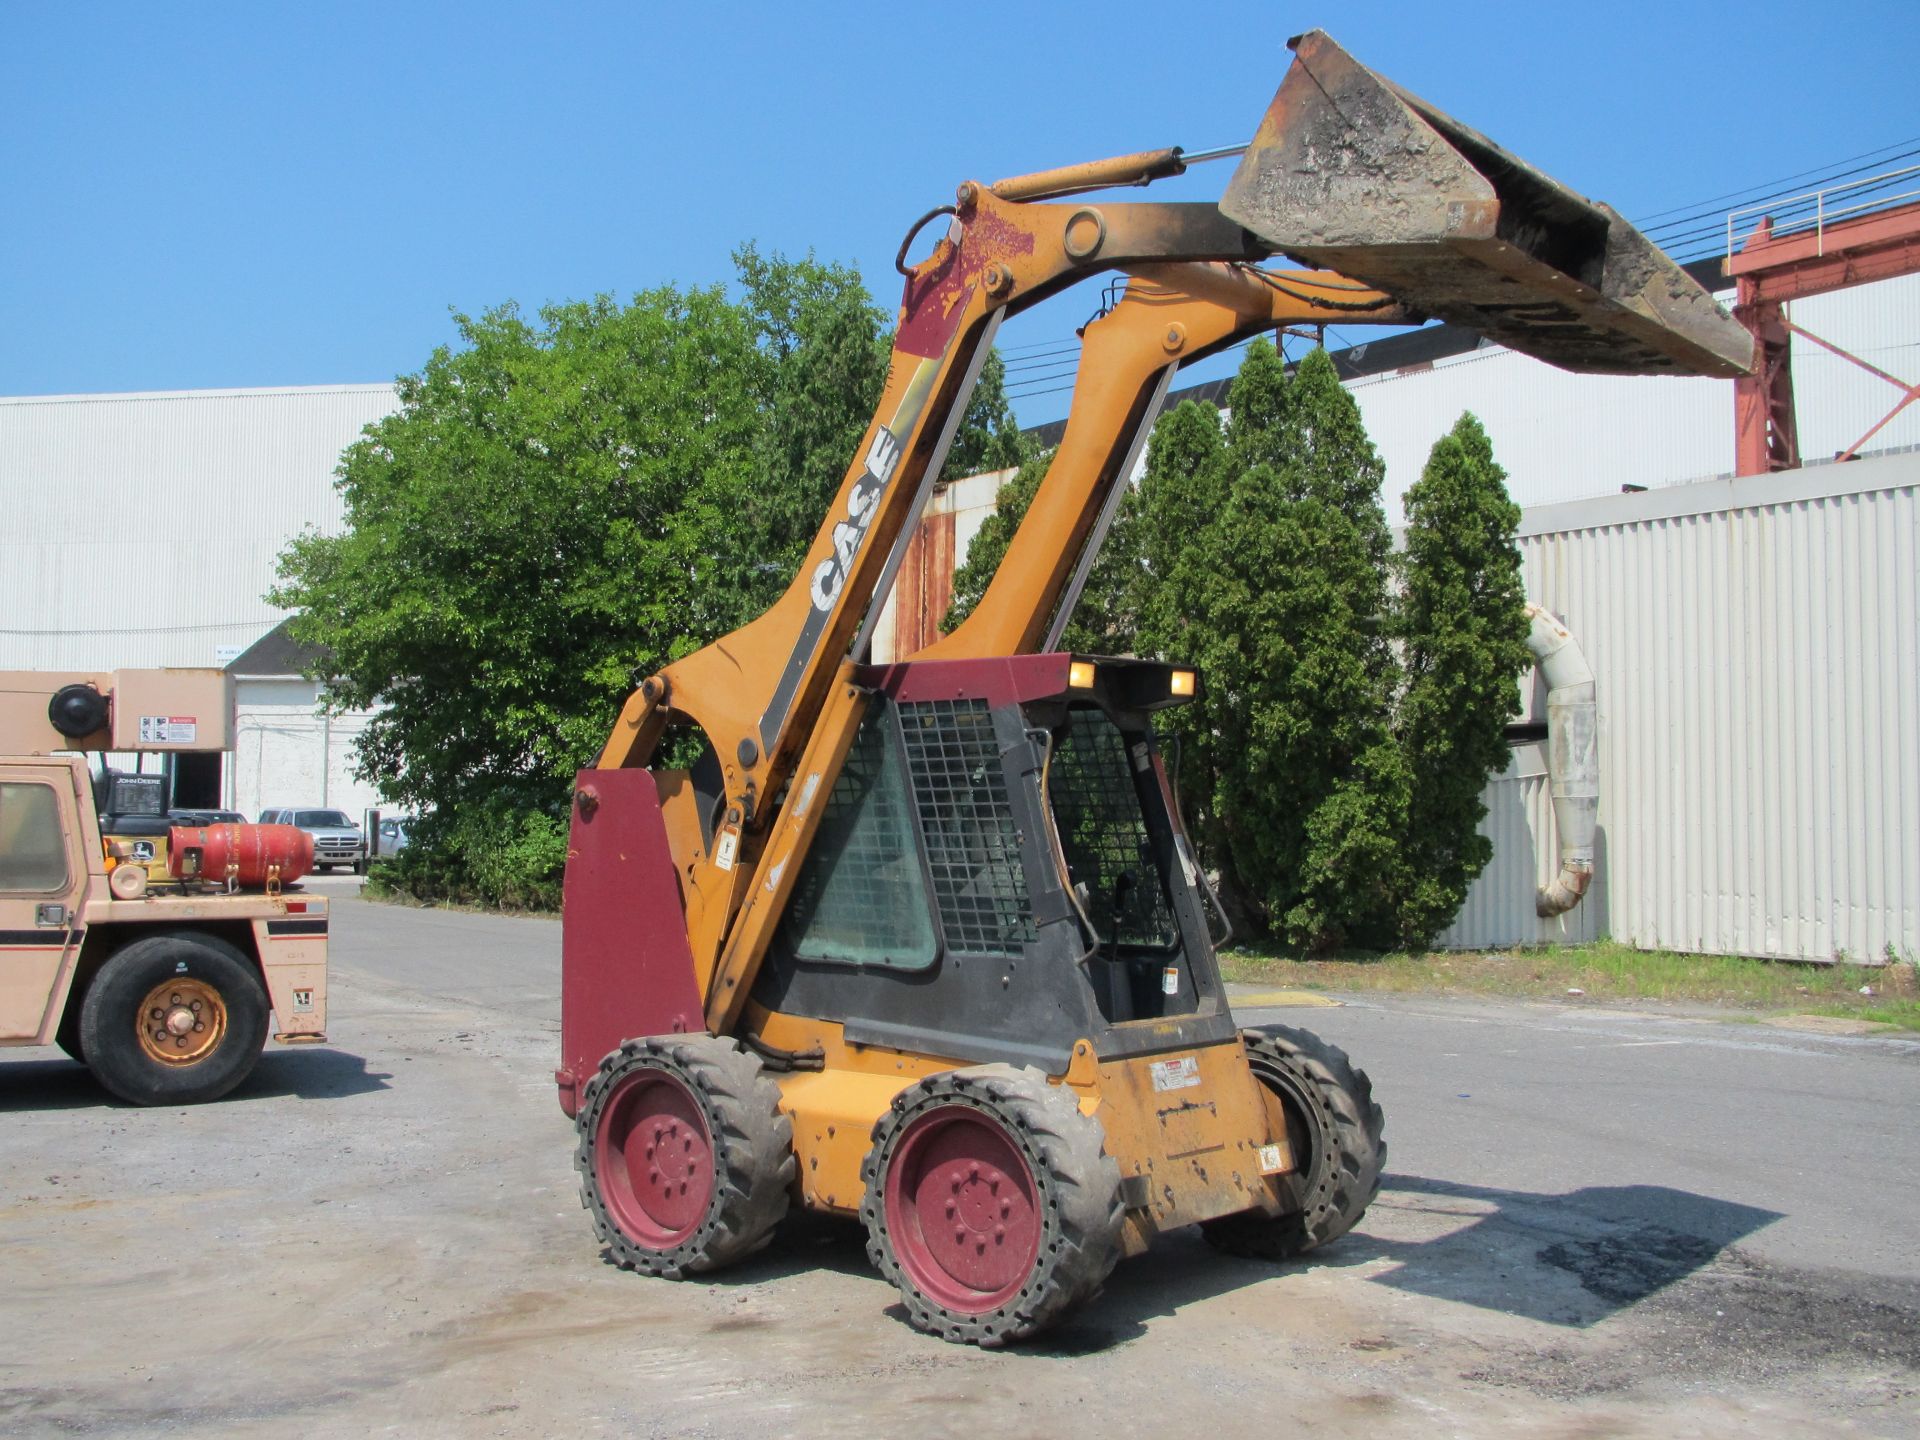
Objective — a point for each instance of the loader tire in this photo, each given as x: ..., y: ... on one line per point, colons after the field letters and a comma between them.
x: 686, y: 1163
x: 1336, y: 1132
x: 991, y: 1203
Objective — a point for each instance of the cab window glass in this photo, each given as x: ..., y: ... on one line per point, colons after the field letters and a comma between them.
x: 861, y: 898
x: 33, y: 851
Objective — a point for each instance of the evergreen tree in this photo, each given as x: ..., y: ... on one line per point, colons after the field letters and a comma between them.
x: 1265, y: 561
x: 1181, y: 494
x: 1463, y: 632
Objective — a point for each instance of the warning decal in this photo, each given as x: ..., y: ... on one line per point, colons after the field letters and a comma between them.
x: 1176, y: 1074
x: 169, y: 729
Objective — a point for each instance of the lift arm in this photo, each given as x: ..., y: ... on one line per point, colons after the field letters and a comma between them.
x: 1170, y: 316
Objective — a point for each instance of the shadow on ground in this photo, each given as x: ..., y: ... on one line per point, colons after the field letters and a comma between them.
x: 1571, y: 1259
x: 316, y: 1073
x: 1568, y: 1260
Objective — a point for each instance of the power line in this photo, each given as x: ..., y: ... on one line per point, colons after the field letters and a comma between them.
x: 1785, y: 180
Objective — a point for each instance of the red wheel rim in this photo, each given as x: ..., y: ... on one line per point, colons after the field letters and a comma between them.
x: 962, y: 1210
x: 654, y: 1159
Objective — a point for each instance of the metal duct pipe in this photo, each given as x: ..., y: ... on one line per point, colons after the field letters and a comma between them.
x: 1573, y: 757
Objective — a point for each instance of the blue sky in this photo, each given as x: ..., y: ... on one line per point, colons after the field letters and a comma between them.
x: 204, y: 195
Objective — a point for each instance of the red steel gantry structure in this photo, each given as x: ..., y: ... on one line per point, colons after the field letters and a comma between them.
x: 1833, y: 250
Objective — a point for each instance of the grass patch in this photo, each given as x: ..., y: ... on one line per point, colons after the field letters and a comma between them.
x: 1606, y: 971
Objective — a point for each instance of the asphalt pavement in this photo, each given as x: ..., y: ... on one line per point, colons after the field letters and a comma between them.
x: 1594, y: 1223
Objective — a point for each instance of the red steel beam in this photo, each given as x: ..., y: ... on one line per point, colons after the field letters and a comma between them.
x: 1770, y: 270
x: 1812, y: 262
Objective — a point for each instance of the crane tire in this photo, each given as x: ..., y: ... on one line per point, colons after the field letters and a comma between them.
x: 1333, y: 1121
x: 210, y: 988
x: 968, y: 1152
x: 685, y: 1160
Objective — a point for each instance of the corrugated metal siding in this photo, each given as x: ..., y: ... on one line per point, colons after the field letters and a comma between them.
x: 1756, y: 647
x: 1499, y: 908
x: 143, y: 529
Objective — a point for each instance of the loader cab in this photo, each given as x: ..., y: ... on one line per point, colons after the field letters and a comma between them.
x: 1000, y: 871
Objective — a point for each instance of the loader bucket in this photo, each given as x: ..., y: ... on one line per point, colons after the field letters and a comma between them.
x: 1351, y: 173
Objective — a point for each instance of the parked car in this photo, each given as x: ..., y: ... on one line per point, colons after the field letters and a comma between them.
x: 337, y: 841
x: 393, y: 836
x: 206, y: 817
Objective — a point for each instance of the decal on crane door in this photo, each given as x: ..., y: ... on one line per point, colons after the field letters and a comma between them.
x: 828, y: 578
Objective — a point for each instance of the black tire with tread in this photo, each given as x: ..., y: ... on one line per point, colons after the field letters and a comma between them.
x: 1330, y: 1101
x: 1077, y: 1180
x: 108, y: 1037
x: 67, y: 1037
x: 752, y: 1145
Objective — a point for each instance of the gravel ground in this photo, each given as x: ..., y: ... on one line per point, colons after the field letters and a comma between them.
x: 383, y: 1237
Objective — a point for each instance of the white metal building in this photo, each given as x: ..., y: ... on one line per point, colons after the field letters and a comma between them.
x: 142, y: 529
x: 143, y: 532
x: 1756, y: 650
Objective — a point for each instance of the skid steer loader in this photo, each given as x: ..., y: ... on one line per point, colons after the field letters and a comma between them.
x: 925, y: 943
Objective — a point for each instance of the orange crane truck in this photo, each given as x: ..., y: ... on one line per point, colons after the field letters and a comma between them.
x: 924, y: 944
x: 155, y: 953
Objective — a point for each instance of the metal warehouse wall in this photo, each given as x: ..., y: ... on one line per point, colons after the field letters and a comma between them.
x: 1756, y: 647
x: 142, y: 529
x: 1570, y: 437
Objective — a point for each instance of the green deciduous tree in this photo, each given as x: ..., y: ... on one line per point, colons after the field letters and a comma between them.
x: 557, y: 504
x: 823, y: 348
x: 1463, y: 633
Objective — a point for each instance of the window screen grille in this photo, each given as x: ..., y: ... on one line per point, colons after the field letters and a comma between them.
x: 1096, y: 808
x: 861, y: 897
x: 973, y: 846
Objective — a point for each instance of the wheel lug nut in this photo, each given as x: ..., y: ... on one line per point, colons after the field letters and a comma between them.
x: 951, y: 1209
x: 973, y: 1172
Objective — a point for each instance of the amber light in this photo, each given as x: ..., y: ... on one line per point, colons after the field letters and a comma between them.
x: 1181, y: 682
x: 1079, y: 675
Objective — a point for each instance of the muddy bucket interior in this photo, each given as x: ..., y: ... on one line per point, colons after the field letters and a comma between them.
x: 1351, y: 173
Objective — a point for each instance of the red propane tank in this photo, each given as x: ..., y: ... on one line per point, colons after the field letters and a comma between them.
x: 205, y: 852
